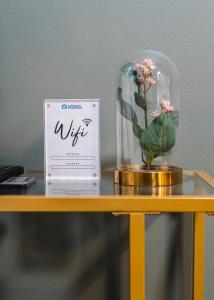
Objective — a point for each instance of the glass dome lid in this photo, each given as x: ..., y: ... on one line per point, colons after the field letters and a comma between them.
x: 147, y: 114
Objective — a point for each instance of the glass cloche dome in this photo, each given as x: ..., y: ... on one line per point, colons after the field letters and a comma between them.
x: 147, y: 113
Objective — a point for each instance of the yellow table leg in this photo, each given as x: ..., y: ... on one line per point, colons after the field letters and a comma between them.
x: 199, y: 231
x: 137, y: 256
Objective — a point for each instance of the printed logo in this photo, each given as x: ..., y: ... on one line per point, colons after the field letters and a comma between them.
x: 71, y: 106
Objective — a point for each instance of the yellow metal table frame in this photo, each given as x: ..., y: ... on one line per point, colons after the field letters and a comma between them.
x: 136, y: 207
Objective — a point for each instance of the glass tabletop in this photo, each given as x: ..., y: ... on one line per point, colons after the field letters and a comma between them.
x: 192, y: 184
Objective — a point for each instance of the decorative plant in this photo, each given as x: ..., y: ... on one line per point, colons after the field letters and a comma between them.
x: 157, y: 137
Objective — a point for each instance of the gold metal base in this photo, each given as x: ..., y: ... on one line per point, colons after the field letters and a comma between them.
x: 157, y: 175
x: 167, y: 190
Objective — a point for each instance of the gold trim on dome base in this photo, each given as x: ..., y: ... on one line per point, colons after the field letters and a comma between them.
x: 157, y: 175
x: 167, y: 190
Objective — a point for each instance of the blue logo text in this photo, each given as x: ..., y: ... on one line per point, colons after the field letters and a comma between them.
x: 71, y: 106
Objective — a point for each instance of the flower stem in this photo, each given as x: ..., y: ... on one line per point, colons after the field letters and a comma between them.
x: 145, y: 102
x: 143, y: 159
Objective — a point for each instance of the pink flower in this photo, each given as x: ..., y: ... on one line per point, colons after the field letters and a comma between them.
x: 146, y: 70
x: 149, y: 80
x: 148, y: 62
x: 155, y: 114
x: 138, y: 68
x: 145, y: 67
x: 166, y: 105
x: 141, y: 80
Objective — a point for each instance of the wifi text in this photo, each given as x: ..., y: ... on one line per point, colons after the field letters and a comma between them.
x: 70, y: 131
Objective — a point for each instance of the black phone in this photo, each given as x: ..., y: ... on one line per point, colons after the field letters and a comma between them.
x: 22, y: 182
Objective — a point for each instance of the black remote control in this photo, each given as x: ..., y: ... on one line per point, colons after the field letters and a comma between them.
x: 10, y: 171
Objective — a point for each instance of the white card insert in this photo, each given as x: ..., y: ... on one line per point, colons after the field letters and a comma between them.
x: 72, y: 139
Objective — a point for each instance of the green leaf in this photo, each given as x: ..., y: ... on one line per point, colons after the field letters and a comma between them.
x: 128, y: 112
x: 160, y: 135
x: 139, y: 99
x: 175, y: 117
x: 128, y: 71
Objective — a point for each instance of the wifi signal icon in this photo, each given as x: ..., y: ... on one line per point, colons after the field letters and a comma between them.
x: 86, y: 121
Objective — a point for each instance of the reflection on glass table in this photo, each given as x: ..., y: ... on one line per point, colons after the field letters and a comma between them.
x: 72, y: 188
x: 192, y: 184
